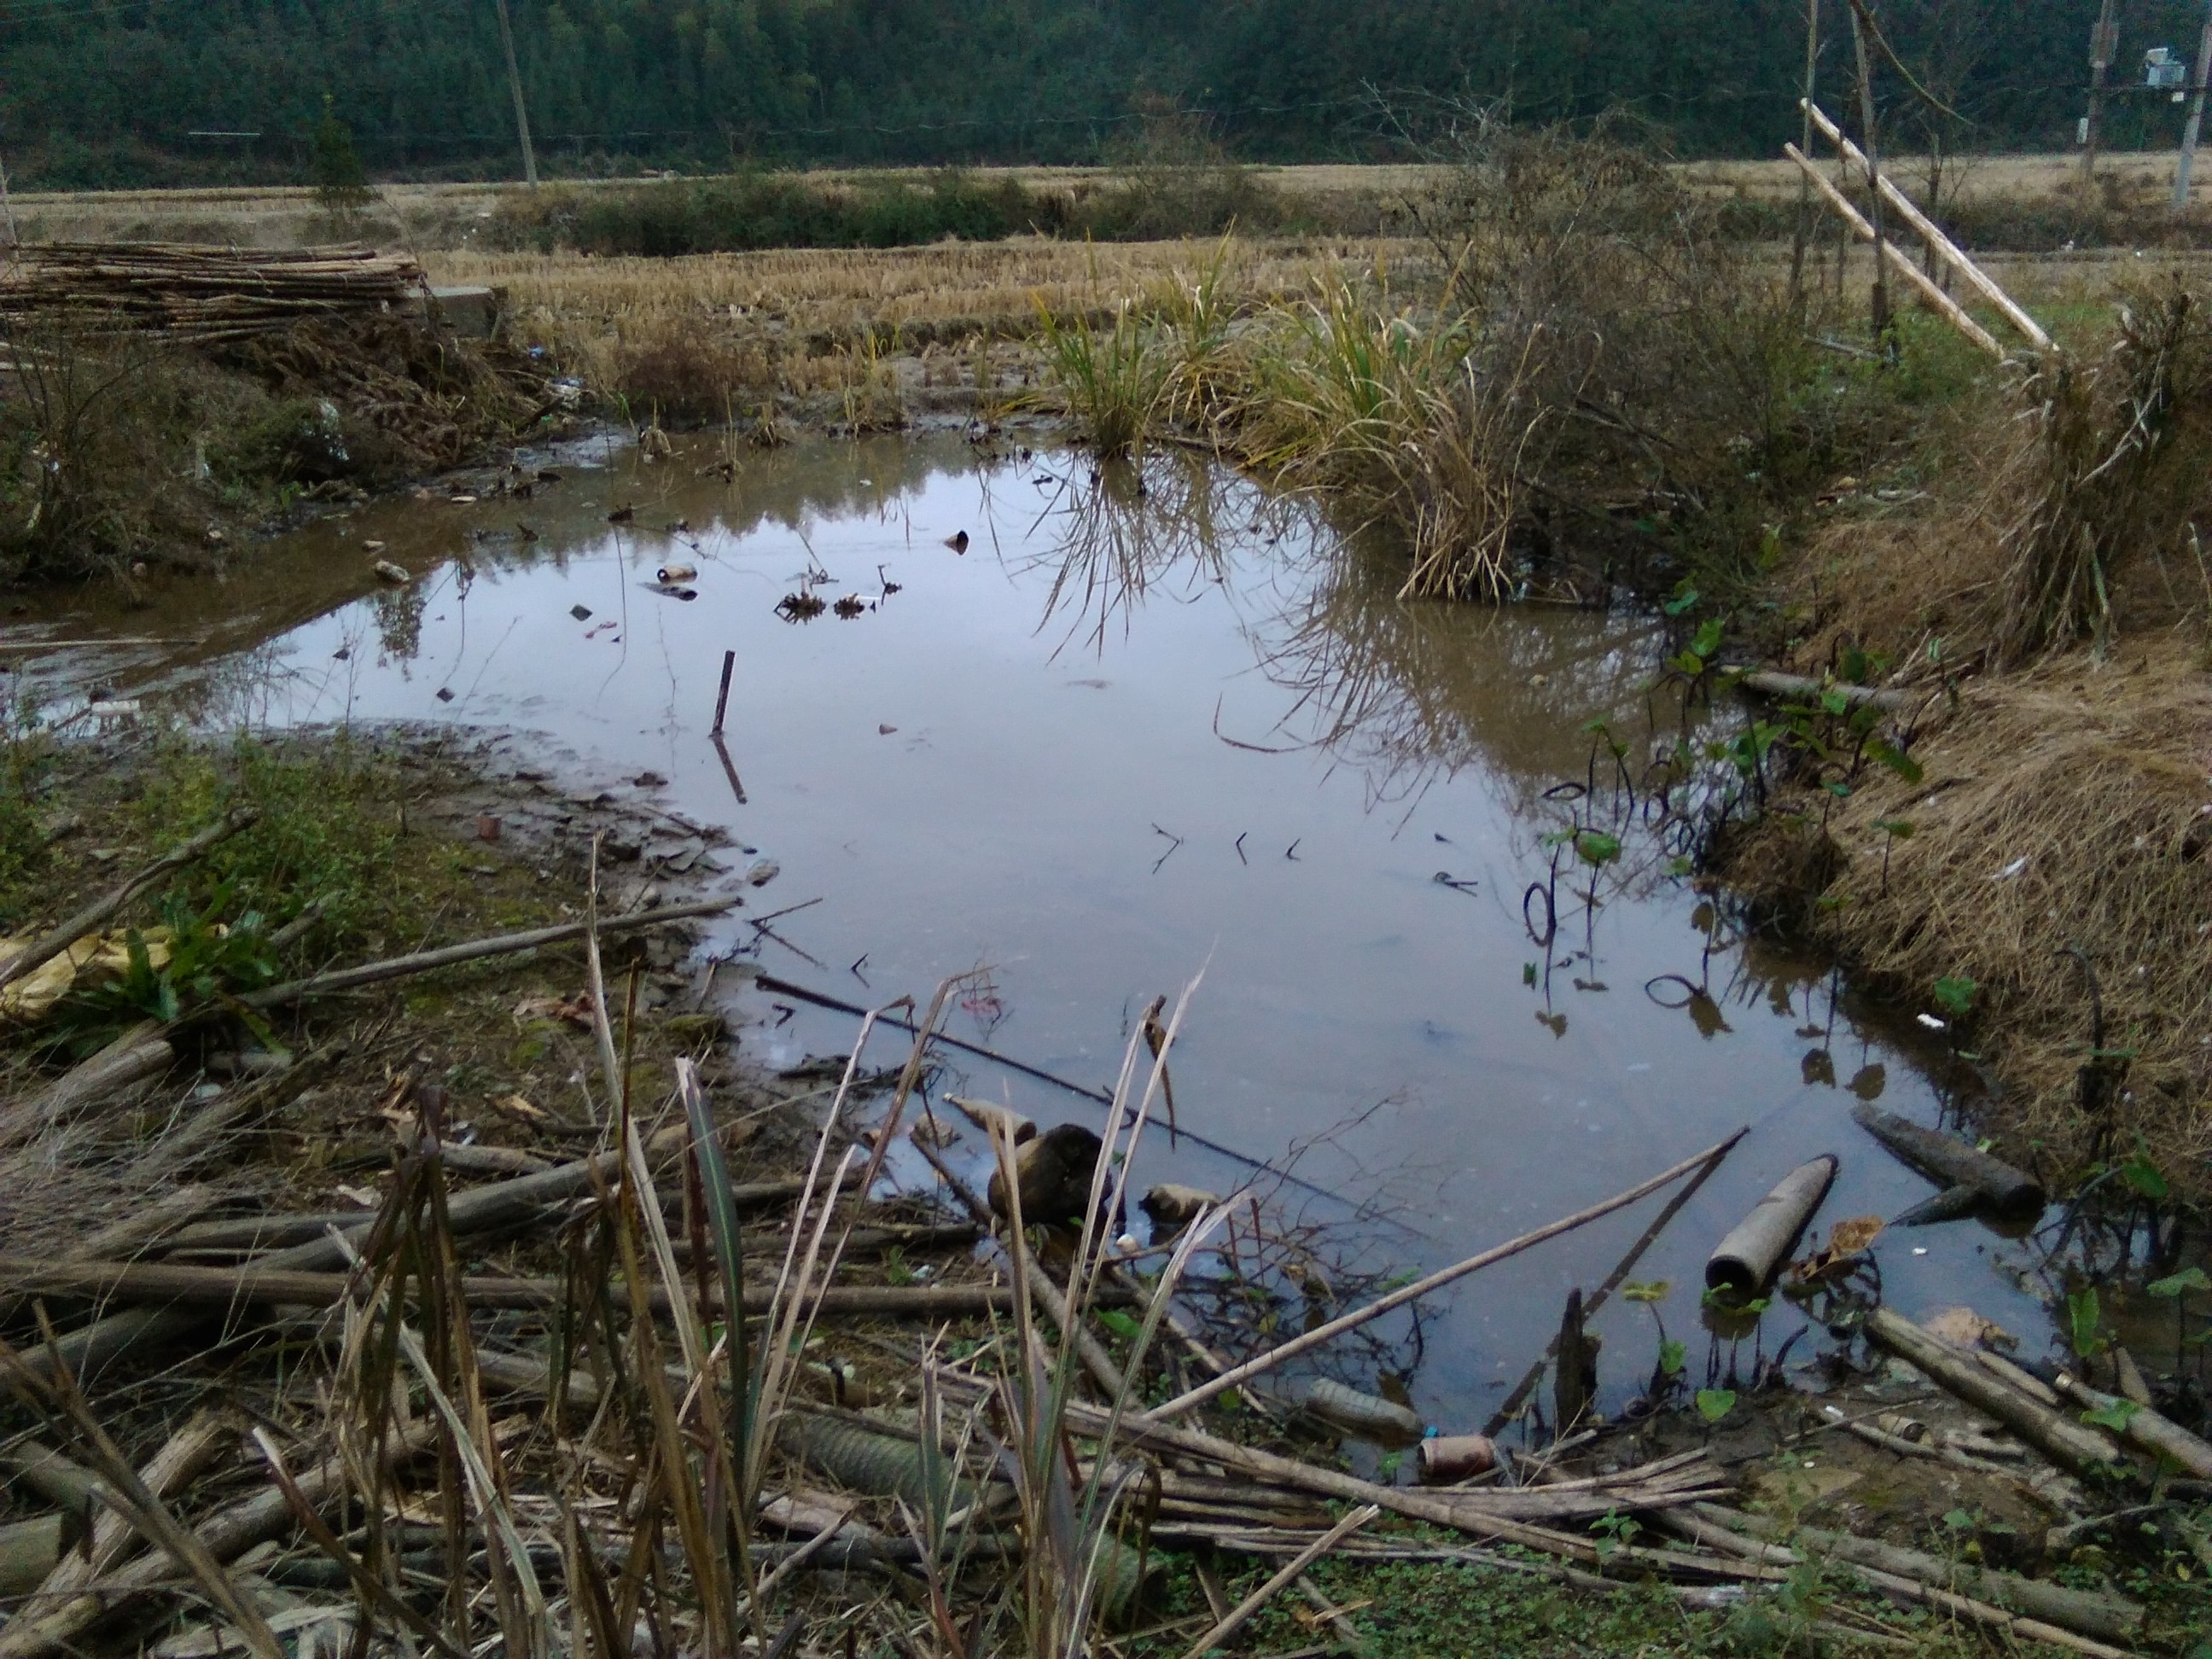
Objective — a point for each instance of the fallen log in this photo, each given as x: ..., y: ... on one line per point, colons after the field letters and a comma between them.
x: 133, y: 1234
x: 182, y: 1457
x: 1775, y: 683
x: 1953, y: 1164
x: 2077, y: 1449
x: 1770, y: 1557
x: 50, y: 945
x: 2146, y: 1430
x: 483, y: 1209
x: 137, y: 1055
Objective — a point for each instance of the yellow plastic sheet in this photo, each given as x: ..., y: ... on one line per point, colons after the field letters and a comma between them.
x: 94, y: 957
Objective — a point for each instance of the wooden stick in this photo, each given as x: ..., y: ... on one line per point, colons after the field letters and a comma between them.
x: 1945, y: 248
x: 48, y: 945
x: 1241, y: 1614
x: 722, y: 700
x: 184, y: 1455
x: 1435, y: 1281
x: 1950, y: 308
x: 124, y: 1489
x: 422, y: 961
x: 1598, y: 1297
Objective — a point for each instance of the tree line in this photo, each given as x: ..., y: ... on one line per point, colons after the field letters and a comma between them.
x: 108, y: 93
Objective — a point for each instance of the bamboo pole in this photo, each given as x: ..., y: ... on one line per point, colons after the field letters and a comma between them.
x: 1941, y: 302
x: 1946, y: 249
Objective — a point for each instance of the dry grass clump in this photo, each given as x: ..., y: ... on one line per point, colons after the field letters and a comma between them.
x: 667, y: 373
x: 2068, y: 810
x: 2110, y: 460
x: 2068, y: 506
x: 905, y: 298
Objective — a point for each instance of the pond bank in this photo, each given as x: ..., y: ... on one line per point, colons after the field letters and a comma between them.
x: 268, y: 1130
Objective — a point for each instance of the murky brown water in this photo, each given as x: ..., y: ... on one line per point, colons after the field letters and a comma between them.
x: 1130, y: 735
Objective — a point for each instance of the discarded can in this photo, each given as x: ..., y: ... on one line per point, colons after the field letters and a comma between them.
x: 487, y: 827
x: 1905, y: 1428
x: 1746, y: 1260
x: 1448, y: 1457
x: 668, y: 575
x: 1365, y: 1414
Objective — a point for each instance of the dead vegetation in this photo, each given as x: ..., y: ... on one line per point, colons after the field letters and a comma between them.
x: 2044, y: 602
x: 148, y: 411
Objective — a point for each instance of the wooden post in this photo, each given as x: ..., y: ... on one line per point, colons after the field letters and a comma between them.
x: 1805, y: 186
x: 1873, y: 172
x: 2104, y: 42
x: 2195, y: 117
x: 521, y: 110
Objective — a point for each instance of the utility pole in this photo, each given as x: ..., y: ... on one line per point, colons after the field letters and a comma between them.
x: 1874, y: 172
x: 522, y: 110
x: 2196, y: 117
x: 2104, y: 46
x: 1805, y: 184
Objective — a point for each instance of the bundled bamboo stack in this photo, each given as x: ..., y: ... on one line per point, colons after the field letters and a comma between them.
x: 202, y: 294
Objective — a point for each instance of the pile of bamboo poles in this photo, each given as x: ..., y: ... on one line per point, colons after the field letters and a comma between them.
x: 200, y: 294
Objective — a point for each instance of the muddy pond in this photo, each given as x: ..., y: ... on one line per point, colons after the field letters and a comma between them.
x: 1145, y: 727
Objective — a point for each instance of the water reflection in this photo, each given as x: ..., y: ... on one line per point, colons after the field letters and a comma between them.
x: 1146, y: 721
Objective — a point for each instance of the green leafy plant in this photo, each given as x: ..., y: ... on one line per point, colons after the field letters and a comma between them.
x: 205, y: 960
x: 2085, y: 1332
x: 1615, y: 1531
x: 1954, y: 994
x: 1714, y: 1404
x: 2115, y: 1414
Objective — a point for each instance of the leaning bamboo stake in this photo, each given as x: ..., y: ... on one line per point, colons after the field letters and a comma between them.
x: 1421, y: 1287
x: 1942, y: 303
x: 1945, y: 248
x: 89, y: 920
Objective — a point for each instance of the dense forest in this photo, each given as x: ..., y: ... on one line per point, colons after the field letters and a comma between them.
x: 98, y: 92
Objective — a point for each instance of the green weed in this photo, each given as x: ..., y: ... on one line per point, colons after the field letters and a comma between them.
x: 1114, y: 378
